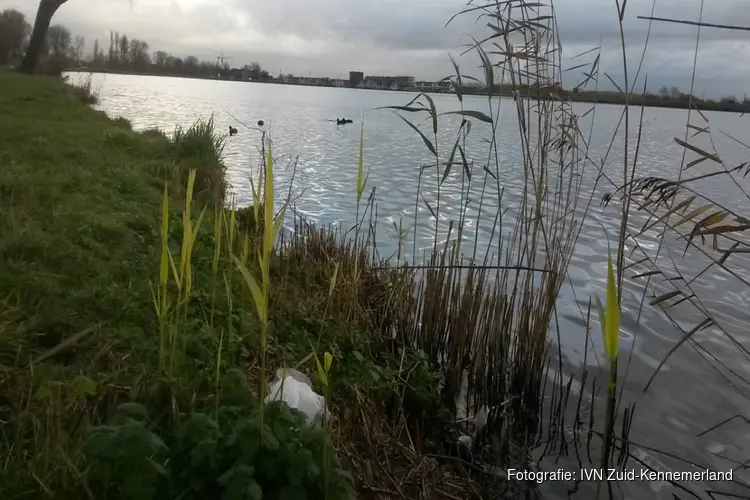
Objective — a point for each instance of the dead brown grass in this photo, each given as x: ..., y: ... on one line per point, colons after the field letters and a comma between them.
x: 386, y: 468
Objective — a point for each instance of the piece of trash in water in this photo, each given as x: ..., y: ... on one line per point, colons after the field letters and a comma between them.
x: 295, y: 389
x: 470, y: 414
x: 465, y: 405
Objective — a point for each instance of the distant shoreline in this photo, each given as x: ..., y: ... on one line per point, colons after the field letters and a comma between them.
x: 637, y: 100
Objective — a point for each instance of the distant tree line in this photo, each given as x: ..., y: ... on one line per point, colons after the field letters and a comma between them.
x: 132, y: 55
x: 61, y: 50
x: 666, y: 97
x: 675, y: 93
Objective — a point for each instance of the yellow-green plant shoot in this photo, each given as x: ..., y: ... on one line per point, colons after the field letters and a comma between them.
x: 610, y: 321
x: 610, y: 318
x: 332, y: 286
x: 361, y: 178
x: 323, y: 372
x: 325, y: 367
x: 327, y: 361
x: 161, y: 301
x: 271, y: 227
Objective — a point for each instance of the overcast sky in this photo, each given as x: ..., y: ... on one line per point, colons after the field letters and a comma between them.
x: 332, y: 37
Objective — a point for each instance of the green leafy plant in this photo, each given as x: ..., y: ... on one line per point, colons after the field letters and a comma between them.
x: 250, y: 452
x: 126, y: 460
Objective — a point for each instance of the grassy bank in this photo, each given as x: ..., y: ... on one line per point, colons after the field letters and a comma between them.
x: 123, y: 378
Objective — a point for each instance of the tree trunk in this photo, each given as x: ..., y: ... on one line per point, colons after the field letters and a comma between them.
x: 47, y: 9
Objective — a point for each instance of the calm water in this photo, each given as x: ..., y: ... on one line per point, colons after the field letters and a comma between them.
x: 691, y: 392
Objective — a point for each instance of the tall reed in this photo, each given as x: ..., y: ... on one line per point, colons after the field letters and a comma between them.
x: 489, y: 322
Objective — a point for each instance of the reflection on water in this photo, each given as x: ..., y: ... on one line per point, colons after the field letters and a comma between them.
x: 691, y: 392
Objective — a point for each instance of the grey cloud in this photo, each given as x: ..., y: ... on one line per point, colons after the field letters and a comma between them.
x: 391, y: 24
x: 581, y: 23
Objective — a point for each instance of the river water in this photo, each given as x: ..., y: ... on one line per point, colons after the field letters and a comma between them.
x: 693, y: 390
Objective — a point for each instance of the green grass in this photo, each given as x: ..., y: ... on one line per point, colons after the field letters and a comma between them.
x: 78, y: 197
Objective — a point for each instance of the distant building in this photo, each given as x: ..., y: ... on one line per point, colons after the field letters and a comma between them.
x: 234, y: 74
x: 306, y: 80
x: 388, y: 82
x: 355, y: 78
x: 442, y: 86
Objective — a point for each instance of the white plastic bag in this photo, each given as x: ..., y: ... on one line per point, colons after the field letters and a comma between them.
x: 464, y: 406
x: 296, y: 390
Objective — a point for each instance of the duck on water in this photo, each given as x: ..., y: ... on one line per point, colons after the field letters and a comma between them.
x: 232, y: 130
x: 342, y: 121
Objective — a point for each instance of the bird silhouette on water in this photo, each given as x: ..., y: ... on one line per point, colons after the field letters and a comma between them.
x: 232, y: 130
x: 342, y: 121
